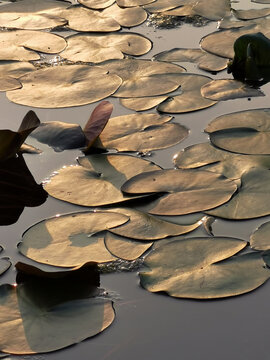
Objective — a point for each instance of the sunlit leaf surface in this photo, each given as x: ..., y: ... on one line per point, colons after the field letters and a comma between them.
x: 227, y: 89
x: 187, y: 191
x: 70, y: 85
x: 93, y: 4
x: 251, y: 13
x: 141, y: 132
x: 260, y: 239
x: 23, y: 44
x: 98, y: 180
x: 193, y: 268
x: 143, y: 226
x: 141, y: 104
x: 97, y: 48
x: 246, y: 132
x: 127, y: 17
x: 40, y: 327
x: 205, y: 61
x: 70, y: 240
x: 125, y: 248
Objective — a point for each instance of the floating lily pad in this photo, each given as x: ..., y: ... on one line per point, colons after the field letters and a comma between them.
x: 8, y: 83
x: 131, y: 3
x: 99, y: 5
x: 141, y: 132
x: 252, y: 199
x: 98, y: 180
x: 127, y: 17
x: 125, y: 248
x: 205, y: 61
x: 70, y: 85
x: 142, y: 226
x: 190, y: 98
x: 18, y: 45
x: 141, y: 104
x: 32, y: 14
x: 149, y: 78
x: 187, y: 191
x: 246, y: 132
x: 250, y: 14
x: 97, y: 48
x: 15, y: 69
x: 227, y: 89
x: 210, y: 158
x: 82, y: 19
x: 259, y: 239
x: 70, y: 240
x: 40, y: 327
x: 193, y: 268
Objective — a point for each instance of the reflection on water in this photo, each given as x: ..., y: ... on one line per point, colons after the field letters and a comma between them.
x: 18, y: 189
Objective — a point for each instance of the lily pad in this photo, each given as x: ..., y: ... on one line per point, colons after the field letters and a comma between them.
x: 193, y: 268
x: 186, y: 191
x: 40, y: 327
x: 142, y: 226
x: 251, y: 14
x: 131, y: 3
x: 149, y: 78
x: 246, y: 132
x: 190, y: 98
x: 141, y: 104
x: 70, y: 85
x: 98, y: 180
x: 227, y: 89
x: 15, y: 69
x: 205, y: 61
x: 82, y: 19
x: 99, y: 5
x: 97, y: 48
x: 70, y: 240
x: 252, y: 199
x: 8, y: 83
x: 141, y: 132
x: 127, y: 17
x: 19, y: 44
x: 125, y: 248
x: 259, y: 239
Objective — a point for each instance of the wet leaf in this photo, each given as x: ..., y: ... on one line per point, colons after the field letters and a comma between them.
x: 41, y: 328
x: 191, y: 268
x: 141, y: 132
x: 205, y: 61
x: 22, y: 44
x: 125, y: 248
x: 190, y: 98
x: 70, y: 240
x: 32, y: 14
x: 259, y: 239
x: 186, y: 191
x: 98, y: 181
x: 141, y: 104
x: 131, y: 3
x: 93, y: 4
x: 142, y: 226
x: 252, y: 199
x: 227, y: 89
x: 70, y: 85
x: 127, y: 17
x: 82, y: 19
x: 246, y: 132
x: 8, y: 83
x: 97, y: 48
x: 15, y: 69
x: 4, y: 265
x: 149, y: 78
x: 250, y: 14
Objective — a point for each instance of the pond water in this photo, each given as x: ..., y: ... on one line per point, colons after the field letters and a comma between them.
x: 152, y: 326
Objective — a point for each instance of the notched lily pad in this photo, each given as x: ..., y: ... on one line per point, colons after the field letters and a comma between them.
x: 98, y: 180
x: 186, y: 191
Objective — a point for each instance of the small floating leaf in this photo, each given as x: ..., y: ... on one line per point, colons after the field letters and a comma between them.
x: 144, y: 103
x: 127, y: 17
x: 259, y: 239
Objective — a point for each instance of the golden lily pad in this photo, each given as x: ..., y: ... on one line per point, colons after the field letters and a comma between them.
x: 252, y: 199
x: 125, y: 248
x: 193, y: 268
x: 70, y: 240
x: 82, y: 19
x: 94, y: 4
x: 98, y: 181
x: 246, y: 132
x: 8, y: 83
x: 142, y: 226
x: 259, y: 239
x: 131, y: 3
x: 141, y: 132
x: 19, y: 44
x: 15, y: 69
x: 97, y: 48
x: 141, y: 104
x: 186, y: 191
x: 190, y: 98
x: 227, y: 89
x: 251, y: 14
x: 127, y: 17
x: 149, y: 78
x: 68, y: 85
x: 39, y: 327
